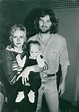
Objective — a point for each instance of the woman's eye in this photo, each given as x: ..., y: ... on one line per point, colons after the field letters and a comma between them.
x: 14, y: 36
x: 48, y: 21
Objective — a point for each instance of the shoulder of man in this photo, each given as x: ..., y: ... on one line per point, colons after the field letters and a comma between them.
x: 59, y: 38
x: 34, y: 37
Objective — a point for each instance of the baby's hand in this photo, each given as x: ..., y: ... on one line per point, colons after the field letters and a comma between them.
x: 40, y: 60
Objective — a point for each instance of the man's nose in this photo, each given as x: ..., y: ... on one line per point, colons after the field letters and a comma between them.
x: 44, y: 23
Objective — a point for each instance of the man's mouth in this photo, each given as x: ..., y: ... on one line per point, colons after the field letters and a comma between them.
x: 18, y: 43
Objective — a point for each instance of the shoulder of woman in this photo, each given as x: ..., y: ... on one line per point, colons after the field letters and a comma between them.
x: 7, y: 54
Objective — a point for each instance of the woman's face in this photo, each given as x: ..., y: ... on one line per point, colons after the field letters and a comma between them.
x: 18, y: 38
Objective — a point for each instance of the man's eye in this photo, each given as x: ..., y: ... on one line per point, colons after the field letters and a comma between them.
x: 21, y: 36
x: 41, y: 20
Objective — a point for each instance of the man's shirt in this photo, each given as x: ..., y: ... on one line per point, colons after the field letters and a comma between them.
x: 54, y: 51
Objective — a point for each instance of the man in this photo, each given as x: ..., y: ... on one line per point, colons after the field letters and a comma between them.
x: 54, y: 49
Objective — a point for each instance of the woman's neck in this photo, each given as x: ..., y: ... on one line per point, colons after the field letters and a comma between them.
x: 18, y: 50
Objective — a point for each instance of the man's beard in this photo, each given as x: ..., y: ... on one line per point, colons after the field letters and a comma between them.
x: 44, y: 31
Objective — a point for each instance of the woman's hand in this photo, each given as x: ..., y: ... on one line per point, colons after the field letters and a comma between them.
x: 19, y: 77
x: 25, y: 74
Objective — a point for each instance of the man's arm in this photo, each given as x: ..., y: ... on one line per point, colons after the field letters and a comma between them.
x: 64, y: 74
x: 64, y: 62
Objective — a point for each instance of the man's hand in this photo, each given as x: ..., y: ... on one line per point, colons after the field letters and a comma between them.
x: 61, y: 88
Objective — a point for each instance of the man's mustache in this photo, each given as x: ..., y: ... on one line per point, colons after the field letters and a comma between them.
x: 44, y: 26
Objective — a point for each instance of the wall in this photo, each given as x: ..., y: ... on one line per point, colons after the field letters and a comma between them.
x: 69, y: 28
x: 12, y: 12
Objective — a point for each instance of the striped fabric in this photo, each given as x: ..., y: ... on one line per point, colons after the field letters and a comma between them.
x: 16, y: 67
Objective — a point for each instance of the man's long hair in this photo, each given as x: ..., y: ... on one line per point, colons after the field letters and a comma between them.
x: 42, y: 12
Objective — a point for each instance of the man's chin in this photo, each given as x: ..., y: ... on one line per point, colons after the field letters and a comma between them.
x: 44, y: 31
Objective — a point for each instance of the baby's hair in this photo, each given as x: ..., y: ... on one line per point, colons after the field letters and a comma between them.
x: 30, y: 43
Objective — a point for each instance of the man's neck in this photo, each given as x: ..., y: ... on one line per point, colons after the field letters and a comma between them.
x: 45, y: 36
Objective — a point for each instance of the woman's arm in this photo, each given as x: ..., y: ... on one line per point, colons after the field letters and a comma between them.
x: 26, y: 71
x: 7, y: 64
x: 34, y: 68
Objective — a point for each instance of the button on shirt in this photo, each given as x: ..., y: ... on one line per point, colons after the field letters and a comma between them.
x: 54, y: 51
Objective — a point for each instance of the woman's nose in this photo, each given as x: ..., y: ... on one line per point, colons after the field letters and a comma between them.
x: 18, y: 39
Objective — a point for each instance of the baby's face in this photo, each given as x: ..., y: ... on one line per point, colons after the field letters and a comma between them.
x: 34, y: 50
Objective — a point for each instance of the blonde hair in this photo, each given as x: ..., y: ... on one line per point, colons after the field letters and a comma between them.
x: 15, y: 28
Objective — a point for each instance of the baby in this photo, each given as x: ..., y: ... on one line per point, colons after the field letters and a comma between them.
x: 33, y: 79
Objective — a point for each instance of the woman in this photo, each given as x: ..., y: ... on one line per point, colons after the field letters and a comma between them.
x: 2, y: 88
x: 9, y: 63
x: 12, y: 68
